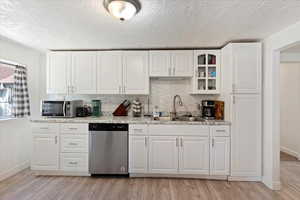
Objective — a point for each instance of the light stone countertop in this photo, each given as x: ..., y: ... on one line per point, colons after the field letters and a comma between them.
x: 127, y: 120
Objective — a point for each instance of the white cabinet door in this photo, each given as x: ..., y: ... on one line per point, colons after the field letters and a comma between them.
x: 83, y: 72
x: 109, y: 72
x: 163, y: 154
x: 160, y: 63
x: 45, y: 152
x: 58, y: 68
x: 219, y: 156
x: 138, y: 154
x: 246, y: 135
x: 182, y: 63
x: 194, y: 155
x: 247, y: 68
x: 135, y: 72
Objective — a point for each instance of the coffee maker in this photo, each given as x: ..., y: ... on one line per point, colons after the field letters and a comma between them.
x: 208, y: 109
x: 212, y: 110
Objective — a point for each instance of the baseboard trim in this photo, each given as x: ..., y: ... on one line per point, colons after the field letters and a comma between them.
x: 190, y: 176
x: 290, y: 152
x: 245, y: 178
x: 14, y: 170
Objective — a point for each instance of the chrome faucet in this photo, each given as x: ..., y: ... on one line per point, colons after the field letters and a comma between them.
x: 173, y: 114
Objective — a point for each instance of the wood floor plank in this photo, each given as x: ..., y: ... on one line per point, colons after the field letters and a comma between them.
x: 26, y: 186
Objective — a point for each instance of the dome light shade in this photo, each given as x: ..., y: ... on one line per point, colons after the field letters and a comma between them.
x: 122, y: 9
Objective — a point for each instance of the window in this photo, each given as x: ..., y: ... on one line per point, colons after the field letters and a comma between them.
x: 6, y: 100
x: 6, y: 89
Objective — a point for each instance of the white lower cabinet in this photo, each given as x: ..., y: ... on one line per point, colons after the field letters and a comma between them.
x: 60, y: 148
x: 138, y: 154
x: 45, y: 152
x: 74, y: 162
x: 198, y: 151
x: 219, y: 155
x: 163, y: 154
x: 194, y: 155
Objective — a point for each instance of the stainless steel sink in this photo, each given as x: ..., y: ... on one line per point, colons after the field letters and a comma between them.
x: 189, y: 118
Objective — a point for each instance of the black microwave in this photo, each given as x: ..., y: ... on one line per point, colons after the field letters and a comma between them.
x: 55, y: 108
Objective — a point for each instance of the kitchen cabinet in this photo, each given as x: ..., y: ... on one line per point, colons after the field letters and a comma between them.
x: 160, y: 63
x: 138, y: 154
x: 163, y: 154
x: 83, y: 70
x: 58, y: 68
x: 135, y: 72
x: 109, y: 72
x: 175, y: 63
x: 194, y: 155
x: 242, y: 68
x: 45, y: 147
x: 219, y: 155
x: 45, y: 152
x: 241, y: 89
x: 71, y: 73
x: 92, y: 72
x: 207, y: 72
x: 246, y: 147
x: 60, y: 148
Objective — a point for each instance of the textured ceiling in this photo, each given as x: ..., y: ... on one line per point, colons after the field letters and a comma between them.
x: 84, y: 24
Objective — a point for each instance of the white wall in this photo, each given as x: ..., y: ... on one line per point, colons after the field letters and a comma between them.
x: 271, y: 101
x: 290, y: 108
x: 289, y: 57
x: 15, y: 135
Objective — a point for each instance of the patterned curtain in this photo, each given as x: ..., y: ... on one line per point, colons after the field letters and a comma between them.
x: 20, y: 97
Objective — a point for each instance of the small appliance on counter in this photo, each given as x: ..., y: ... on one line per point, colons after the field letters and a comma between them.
x: 54, y: 108
x: 212, y: 110
x: 122, y: 109
x: 136, y: 108
x: 83, y: 111
x: 96, y: 108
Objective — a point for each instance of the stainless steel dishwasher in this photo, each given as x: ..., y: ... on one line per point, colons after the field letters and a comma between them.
x: 108, y: 153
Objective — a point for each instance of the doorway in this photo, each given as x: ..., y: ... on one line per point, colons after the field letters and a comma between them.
x: 289, y: 95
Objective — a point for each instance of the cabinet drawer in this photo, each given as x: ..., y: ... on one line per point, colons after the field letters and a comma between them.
x: 138, y: 129
x: 74, y: 143
x: 197, y: 130
x: 74, y: 128
x: 76, y: 162
x: 45, y: 128
x: 220, y: 131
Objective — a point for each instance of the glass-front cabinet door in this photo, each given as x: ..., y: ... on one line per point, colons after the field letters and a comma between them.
x: 207, y: 72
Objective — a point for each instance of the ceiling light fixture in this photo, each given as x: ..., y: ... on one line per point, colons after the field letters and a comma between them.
x: 122, y: 9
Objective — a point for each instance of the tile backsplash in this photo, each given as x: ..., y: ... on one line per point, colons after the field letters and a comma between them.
x: 161, y: 94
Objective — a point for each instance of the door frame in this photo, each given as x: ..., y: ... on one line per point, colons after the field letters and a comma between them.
x: 272, y: 46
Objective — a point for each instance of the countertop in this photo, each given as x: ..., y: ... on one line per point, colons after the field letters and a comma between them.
x: 128, y: 120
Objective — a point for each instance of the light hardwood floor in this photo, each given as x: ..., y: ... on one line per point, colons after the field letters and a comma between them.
x: 26, y: 186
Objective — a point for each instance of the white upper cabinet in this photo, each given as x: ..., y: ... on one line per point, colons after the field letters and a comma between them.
x: 135, y: 72
x: 58, y: 67
x: 160, y: 63
x: 182, y: 63
x: 83, y: 72
x: 175, y: 63
x: 194, y: 155
x: 109, y: 72
x: 242, y: 64
x: 247, y: 68
x: 207, y: 72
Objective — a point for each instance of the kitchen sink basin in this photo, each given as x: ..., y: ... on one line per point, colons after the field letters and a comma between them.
x: 189, y: 118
